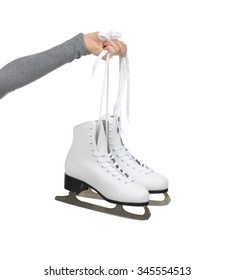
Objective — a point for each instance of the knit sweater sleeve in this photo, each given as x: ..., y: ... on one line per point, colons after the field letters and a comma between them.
x: 25, y: 70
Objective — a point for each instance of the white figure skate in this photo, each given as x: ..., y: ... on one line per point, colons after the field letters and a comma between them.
x: 89, y: 166
x: 127, y: 163
x: 154, y: 182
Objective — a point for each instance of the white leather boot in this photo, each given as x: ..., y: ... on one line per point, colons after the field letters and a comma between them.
x: 88, y: 165
x: 152, y: 181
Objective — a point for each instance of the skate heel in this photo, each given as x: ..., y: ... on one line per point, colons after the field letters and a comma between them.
x: 74, y: 185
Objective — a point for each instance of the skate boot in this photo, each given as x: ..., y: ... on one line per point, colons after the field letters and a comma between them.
x: 89, y: 167
x: 125, y: 162
x: 154, y: 182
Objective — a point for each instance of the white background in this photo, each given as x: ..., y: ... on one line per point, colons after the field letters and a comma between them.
x: 181, y: 124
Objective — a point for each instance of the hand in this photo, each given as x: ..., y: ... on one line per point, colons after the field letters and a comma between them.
x: 94, y: 45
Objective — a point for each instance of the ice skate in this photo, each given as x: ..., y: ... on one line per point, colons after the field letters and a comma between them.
x: 154, y: 182
x: 125, y: 161
x: 89, y: 167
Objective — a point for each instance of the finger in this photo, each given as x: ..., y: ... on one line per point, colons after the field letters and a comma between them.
x: 112, y: 51
x: 114, y: 45
x: 120, y: 47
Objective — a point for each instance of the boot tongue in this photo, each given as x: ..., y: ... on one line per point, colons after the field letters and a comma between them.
x: 114, y: 132
x: 113, y: 129
x: 101, y: 142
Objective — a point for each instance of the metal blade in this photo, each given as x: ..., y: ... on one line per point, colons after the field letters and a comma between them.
x: 118, y: 210
x: 163, y: 202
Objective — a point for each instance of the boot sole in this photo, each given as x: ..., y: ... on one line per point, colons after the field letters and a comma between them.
x: 161, y: 191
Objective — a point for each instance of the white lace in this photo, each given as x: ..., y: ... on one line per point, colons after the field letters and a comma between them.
x: 112, y: 35
x: 105, y: 84
x: 123, y: 87
x: 126, y: 156
x: 107, y: 164
x: 124, y: 80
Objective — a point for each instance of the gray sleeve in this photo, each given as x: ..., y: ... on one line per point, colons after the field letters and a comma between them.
x: 25, y: 70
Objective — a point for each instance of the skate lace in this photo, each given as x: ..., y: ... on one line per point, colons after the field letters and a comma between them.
x: 124, y: 87
x: 108, y: 165
x: 128, y: 158
x: 124, y: 81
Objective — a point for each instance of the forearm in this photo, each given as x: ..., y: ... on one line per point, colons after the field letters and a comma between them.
x: 25, y: 70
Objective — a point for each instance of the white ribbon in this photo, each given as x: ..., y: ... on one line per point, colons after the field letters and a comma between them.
x: 124, y: 81
x: 112, y: 35
x: 105, y: 87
